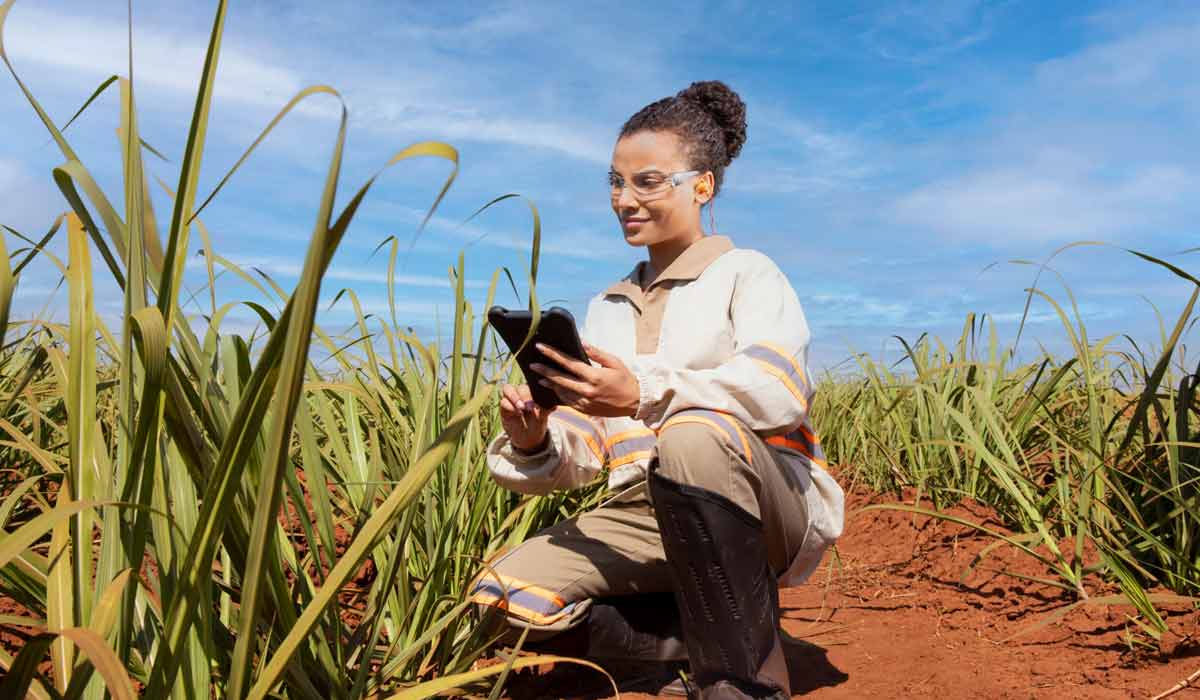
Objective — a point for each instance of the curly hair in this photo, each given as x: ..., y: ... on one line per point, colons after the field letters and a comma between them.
x: 708, y: 116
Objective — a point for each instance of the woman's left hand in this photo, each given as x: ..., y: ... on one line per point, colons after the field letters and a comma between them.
x: 608, y: 390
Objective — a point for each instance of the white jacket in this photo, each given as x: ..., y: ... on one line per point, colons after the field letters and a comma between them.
x: 720, y: 329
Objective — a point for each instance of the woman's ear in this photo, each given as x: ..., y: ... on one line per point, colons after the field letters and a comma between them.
x: 704, y: 188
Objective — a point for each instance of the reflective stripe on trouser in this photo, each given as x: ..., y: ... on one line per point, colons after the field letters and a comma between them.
x: 616, y: 549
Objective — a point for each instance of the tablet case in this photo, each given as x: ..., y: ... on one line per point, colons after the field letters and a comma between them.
x: 556, y: 329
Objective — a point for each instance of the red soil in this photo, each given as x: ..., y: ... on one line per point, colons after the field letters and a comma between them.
x: 894, y: 621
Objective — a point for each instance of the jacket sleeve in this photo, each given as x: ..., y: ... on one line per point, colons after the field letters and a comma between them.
x: 765, y: 382
x: 576, y: 452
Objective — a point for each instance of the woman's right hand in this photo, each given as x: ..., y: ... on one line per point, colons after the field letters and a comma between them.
x: 523, y: 419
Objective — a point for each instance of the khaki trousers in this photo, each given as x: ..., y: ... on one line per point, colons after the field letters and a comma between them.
x: 547, y: 583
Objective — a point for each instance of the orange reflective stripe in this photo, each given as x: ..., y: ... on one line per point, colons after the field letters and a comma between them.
x: 808, y: 434
x: 716, y: 421
x: 783, y: 441
x: 783, y: 377
x: 786, y: 355
x: 525, y: 600
x: 514, y: 608
x: 782, y: 365
x: 582, y: 425
x: 630, y: 446
x: 513, y: 583
x: 628, y: 435
x: 629, y: 458
x: 809, y: 447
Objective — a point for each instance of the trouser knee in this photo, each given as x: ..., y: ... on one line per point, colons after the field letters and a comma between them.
x: 509, y: 606
x: 683, y: 448
x: 709, y: 451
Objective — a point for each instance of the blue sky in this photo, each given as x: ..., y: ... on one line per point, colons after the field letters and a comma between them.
x: 896, y: 150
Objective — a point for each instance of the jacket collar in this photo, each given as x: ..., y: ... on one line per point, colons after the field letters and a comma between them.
x: 688, y: 266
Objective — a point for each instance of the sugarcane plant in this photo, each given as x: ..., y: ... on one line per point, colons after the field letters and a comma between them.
x: 189, y: 512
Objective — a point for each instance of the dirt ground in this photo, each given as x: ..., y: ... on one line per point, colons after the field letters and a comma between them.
x: 892, y: 620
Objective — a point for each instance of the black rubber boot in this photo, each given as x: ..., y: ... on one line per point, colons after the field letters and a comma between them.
x: 727, y: 596
x: 641, y: 627
x: 639, y: 634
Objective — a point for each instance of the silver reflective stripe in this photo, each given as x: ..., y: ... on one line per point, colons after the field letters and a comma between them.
x: 519, y: 596
x: 732, y: 433
x: 584, y: 426
x: 780, y: 362
x: 633, y: 444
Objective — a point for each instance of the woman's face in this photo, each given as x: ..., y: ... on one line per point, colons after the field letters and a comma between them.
x: 645, y: 159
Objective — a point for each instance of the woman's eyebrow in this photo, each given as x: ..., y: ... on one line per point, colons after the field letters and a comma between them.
x: 644, y: 171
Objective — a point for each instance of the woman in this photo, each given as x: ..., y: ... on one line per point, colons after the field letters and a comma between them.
x: 697, y: 404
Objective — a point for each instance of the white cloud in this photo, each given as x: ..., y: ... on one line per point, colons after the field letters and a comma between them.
x: 787, y: 154
x: 821, y: 143
x: 163, y: 59
x: 378, y: 306
x: 923, y: 32
x: 853, y: 308
x: 575, y: 140
x: 571, y: 244
x: 1038, y: 201
x: 10, y: 173
x: 30, y: 203
x: 1148, y: 67
x: 487, y: 28
x: 783, y: 180
x: 282, y: 267
x: 1095, y: 146
x: 171, y: 61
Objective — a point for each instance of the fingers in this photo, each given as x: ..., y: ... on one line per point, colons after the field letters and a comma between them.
x: 604, y: 358
x: 532, y: 407
x: 568, y: 397
x: 576, y: 367
x: 565, y: 396
x: 517, y: 399
x: 555, y: 379
x: 510, y: 399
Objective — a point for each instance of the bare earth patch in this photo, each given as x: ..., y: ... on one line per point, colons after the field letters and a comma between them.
x: 893, y: 620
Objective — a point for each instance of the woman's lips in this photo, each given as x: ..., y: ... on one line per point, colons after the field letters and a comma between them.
x: 633, y: 224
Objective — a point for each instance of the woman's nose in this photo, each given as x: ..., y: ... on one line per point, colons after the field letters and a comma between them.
x: 626, y: 200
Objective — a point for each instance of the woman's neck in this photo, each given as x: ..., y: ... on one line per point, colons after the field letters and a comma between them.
x: 664, y: 253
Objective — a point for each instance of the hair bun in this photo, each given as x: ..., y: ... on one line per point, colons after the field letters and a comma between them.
x: 726, y: 108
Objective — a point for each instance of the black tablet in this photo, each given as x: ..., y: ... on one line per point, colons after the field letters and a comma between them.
x: 556, y: 328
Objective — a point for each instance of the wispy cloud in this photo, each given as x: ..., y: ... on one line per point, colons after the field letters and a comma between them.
x: 1048, y: 201
x: 1100, y: 143
x: 1149, y: 67
x: 290, y: 269
x: 789, y: 154
x: 168, y: 60
x: 378, y: 306
x: 470, y: 125
x: 164, y: 58
x: 29, y: 201
x: 576, y: 243
x: 923, y: 32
